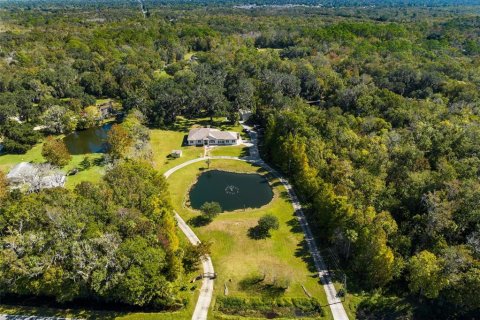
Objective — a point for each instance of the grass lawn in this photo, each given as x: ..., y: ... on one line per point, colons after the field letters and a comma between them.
x: 232, y: 151
x: 236, y: 256
x: 8, y: 161
x: 188, y: 55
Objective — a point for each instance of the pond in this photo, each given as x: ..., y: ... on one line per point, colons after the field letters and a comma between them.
x: 91, y: 140
x: 231, y: 190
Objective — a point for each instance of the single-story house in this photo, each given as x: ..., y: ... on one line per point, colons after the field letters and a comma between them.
x: 34, y: 177
x: 210, y: 136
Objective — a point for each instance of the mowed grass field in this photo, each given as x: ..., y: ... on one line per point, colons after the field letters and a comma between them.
x: 236, y: 256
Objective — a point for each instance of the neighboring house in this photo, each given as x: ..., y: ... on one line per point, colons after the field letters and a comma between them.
x: 35, y: 176
x: 210, y: 136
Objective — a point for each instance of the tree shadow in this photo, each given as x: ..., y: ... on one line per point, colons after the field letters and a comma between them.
x: 99, y: 161
x: 43, y: 306
x: 256, y: 233
x: 245, y: 152
x: 294, y: 225
x: 303, y: 252
x: 380, y: 307
x: 285, y: 195
x: 199, y: 221
x: 256, y: 283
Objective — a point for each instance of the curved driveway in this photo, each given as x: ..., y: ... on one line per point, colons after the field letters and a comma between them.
x: 206, y: 293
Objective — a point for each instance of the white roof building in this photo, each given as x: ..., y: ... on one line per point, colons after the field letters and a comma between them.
x: 210, y: 136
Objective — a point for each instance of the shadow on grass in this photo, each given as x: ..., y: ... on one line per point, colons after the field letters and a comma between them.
x: 15, y: 311
x: 294, y: 225
x: 199, y: 221
x: 245, y: 152
x: 303, y: 252
x: 285, y: 195
x: 256, y: 283
x: 256, y: 233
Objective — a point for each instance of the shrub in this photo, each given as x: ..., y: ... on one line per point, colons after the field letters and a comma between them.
x: 265, y: 224
x: 211, y: 209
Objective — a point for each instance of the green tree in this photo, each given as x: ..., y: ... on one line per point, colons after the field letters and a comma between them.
x: 192, y: 255
x: 265, y: 224
x: 85, y: 163
x: 58, y: 119
x: 119, y: 142
x: 425, y: 275
x: 18, y: 137
x: 55, y: 152
x: 89, y: 117
x: 210, y: 210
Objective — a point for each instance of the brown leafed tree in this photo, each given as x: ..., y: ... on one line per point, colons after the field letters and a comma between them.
x: 55, y: 152
x: 119, y: 141
x: 3, y: 185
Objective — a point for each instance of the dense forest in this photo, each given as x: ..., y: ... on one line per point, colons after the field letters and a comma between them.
x: 373, y: 114
x: 113, y: 241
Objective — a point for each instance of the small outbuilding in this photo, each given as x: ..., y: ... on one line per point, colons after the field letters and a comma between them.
x: 176, y: 153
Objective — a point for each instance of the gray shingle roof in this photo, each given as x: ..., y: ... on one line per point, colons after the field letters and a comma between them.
x: 210, y: 133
